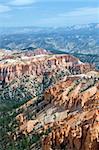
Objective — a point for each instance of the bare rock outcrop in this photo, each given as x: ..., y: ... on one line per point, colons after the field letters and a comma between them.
x: 80, y: 129
x: 36, y: 65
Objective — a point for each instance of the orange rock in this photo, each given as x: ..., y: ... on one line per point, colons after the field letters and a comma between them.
x: 39, y: 65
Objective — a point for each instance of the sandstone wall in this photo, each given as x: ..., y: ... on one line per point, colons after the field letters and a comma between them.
x: 37, y: 66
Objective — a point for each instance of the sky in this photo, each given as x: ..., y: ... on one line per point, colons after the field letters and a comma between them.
x: 48, y: 13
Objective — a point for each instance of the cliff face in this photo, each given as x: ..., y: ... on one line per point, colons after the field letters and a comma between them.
x: 51, y: 102
x: 70, y: 93
x: 80, y: 129
x: 36, y: 65
x: 66, y: 116
x: 84, y: 137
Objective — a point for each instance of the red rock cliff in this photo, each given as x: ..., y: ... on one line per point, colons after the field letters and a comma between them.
x: 38, y: 65
x: 80, y: 129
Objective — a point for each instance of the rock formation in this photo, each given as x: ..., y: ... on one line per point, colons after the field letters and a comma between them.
x: 35, y: 65
x: 80, y: 129
x: 49, y: 102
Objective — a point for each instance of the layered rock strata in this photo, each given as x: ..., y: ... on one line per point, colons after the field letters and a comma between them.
x: 36, y: 65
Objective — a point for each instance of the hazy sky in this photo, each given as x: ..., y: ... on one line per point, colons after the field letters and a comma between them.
x: 48, y: 12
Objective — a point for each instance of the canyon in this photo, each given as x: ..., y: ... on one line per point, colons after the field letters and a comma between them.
x: 39, y: 64
x: 48, y: 102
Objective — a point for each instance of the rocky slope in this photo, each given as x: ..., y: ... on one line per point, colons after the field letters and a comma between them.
x: 66, y: 116
x: 10, y: 67
x: 48, y: 102
x: 80, y: 128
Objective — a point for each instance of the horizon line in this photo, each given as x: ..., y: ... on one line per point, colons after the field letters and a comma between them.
x: 48, y: 26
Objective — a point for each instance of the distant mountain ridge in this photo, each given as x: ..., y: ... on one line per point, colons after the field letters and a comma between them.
x: 77, y: 39
x: 80, y: 39
x: 27, y: 29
